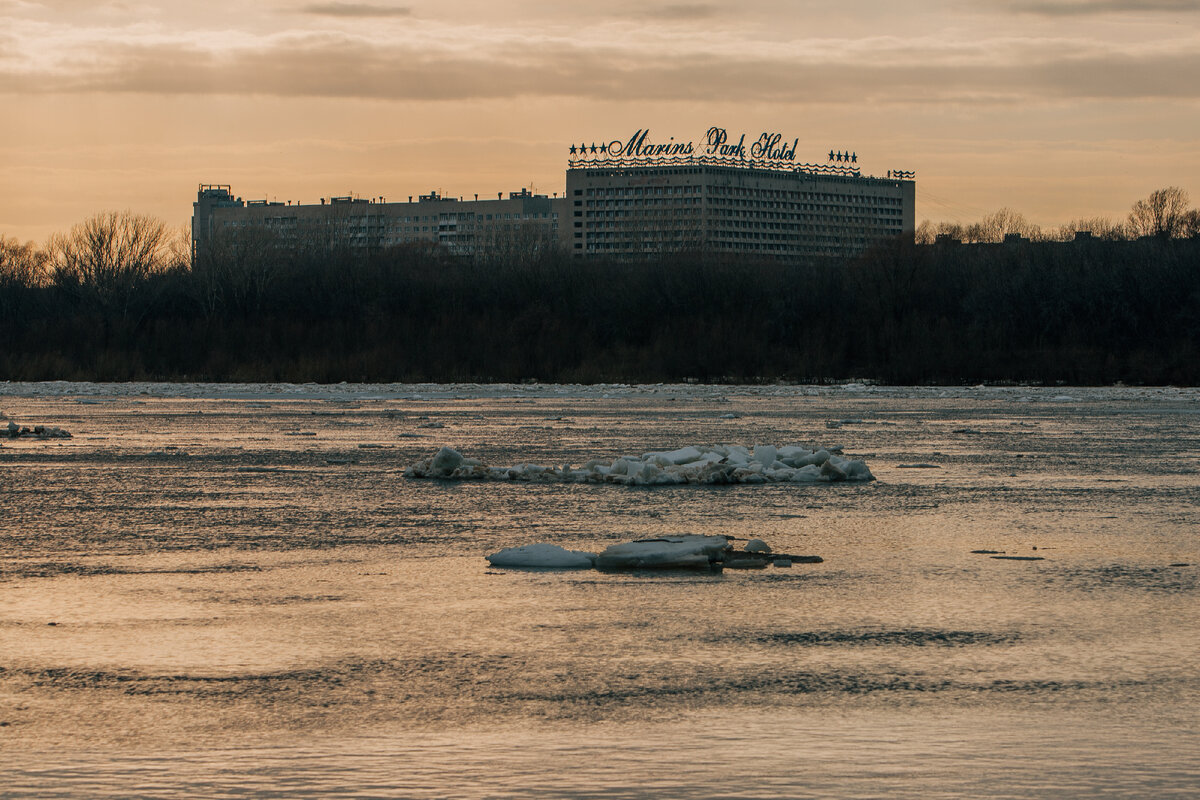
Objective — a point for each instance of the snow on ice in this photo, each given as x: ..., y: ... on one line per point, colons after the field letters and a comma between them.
x: 720, y: 464
x: 542, y: 555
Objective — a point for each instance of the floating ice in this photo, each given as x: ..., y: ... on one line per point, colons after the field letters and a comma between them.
x: 686, y: 551
x: 720, y: 464
x: 671, y: 552
x: 15, y: 431
x: 542, y: 555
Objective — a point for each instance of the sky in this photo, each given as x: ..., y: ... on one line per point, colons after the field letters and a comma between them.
x: 1059, y: 109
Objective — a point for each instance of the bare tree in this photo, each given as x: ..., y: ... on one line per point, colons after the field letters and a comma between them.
x: 1098, y: 227
x: 1163, y: 213
x: 21, y: 264
x: 525, y: 242
x: 110, y: 252
x: 179, y: 247
x: 236, y: 270
x: 106, y: 260
x: 1192, y: 223
x: 926, y: 232
x: 994, y: 227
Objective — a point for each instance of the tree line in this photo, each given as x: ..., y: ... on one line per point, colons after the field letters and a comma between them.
x: 119, y: 298
x: 1166, y: 213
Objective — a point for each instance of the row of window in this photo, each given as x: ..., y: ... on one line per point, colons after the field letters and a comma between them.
x: 640, y: 191
x: 719, y: 216
x: 378, y: 221
x: 715, y: 190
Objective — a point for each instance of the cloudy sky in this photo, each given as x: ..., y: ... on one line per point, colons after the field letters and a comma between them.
x: 1058, y: 108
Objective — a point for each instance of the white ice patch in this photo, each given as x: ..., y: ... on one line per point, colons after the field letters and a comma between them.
x: 546, y: 556
x: 721, y: 464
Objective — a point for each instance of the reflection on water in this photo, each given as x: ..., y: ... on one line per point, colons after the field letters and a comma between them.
x: 762, y: 755
x: 245, y: 597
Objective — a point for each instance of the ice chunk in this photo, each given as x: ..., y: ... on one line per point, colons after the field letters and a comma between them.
x: 816, y: 459
x: 736, y: 454
x: 844, y: 469
x: 445, y: 461
x: 856, y: 470
x: 15, y: 431
x: 765, y: 454
x: 672, y: 552
x: 721, y: 464
x: 685, y: 455
x: 808, y: 474
x: 542, y: 555
x: 626, y: 466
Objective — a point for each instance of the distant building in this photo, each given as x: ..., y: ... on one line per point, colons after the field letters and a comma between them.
x: 623, y: 199
x: 462, y: 226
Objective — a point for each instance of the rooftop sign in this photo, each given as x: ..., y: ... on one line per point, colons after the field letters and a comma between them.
x: 769, y: 150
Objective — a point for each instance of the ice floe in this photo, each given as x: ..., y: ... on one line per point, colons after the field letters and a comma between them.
x: 686, y: 551
x: 719, y: 464
x: 15, y: 431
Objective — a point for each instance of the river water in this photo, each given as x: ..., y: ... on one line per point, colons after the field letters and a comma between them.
x: 233, y: 591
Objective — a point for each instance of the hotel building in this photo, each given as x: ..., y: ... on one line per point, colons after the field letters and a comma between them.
x: 623, y: 199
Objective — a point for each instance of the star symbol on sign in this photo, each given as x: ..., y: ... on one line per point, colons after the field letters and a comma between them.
x: 603, y: 148
x: 572, y: 149
x: 593, y: 147
x: 583, y: 148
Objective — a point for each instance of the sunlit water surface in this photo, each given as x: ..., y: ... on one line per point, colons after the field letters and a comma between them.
x: 235, y: 592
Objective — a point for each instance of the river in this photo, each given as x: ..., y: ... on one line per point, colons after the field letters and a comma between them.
x: 234, y: 591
